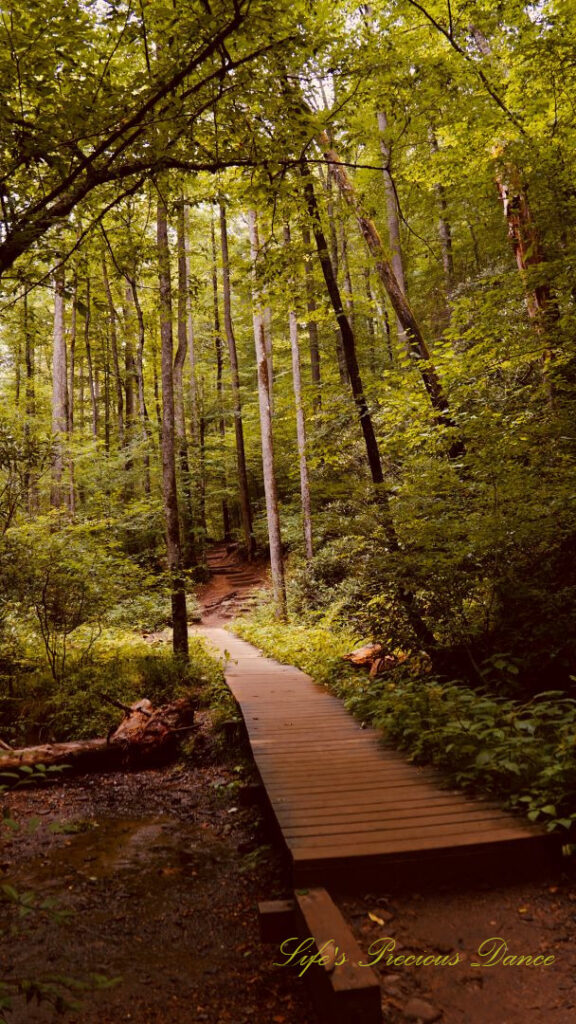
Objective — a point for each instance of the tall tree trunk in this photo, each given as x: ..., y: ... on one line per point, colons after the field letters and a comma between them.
x: 72, y: 379
x: 29, y: 355
x: 334, y: 255
x: 112, y: 321
x: 300, y: 420
x: 526, y: 244
x: 393, y: 220
x: 418, y: 348
x: 180, y: 419
x: 219, y: 385
x: 444, y: 229
x: 92, y: 384
x: 133, y: 298
x: 169, y: 490
x: 107, y: 393
x: 349, y: 344
x: 245, y: 507
x: 370, y: 319
x: 270, y: 487
x: 59, y: 388
x: 405, y: 595
x: 312, y: 324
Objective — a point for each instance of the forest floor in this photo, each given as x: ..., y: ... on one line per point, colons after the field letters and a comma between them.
x: 160, y: 872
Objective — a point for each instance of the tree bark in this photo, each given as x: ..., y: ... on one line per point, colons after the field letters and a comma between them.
x: 270, y: 487
x: 417, y: 345
x: 300, y: 420
x: 180, y: 418
x: 89, y: 363
x: 444, y: 230
x: 59, y: 388
x: 393, y: 220
x: 525, y: 241
x: 169, y: 490
x: 405, y: 595
x: 245, y: 507
x: 312, y: 325
x: 133, y: 298
x: 112, y: 320
x: 147, y: 735
x: 219, y: 385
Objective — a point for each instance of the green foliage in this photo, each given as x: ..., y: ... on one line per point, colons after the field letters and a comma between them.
x: 126, y: 670
x: 523, y: 753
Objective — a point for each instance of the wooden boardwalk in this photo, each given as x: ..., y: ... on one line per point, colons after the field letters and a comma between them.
x: 351, y: 810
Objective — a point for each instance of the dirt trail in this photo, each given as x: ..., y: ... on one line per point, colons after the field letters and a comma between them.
x: 230, y: 590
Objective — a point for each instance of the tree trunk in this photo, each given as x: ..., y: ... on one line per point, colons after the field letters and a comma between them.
x: 219, y: 386
x: 405, y: 595
x: 245, y: 508
x: 132, y: 296
x: 71, y: 382
x: 169, y: 490
x: 147, y: 735
x: 417, y: 345
x: 444, y: 230
x: 526, y: 245
x: 334, y: 256
x: 270, y: 488
x: 59, y: 388
x: 300, y: 420
x: 312, y: 325
x: 370, y: 330
x: 89, y: 363
x: 29, y: 355
x: 180, y: 419
x: 393, y: 221
x: 112, y: 320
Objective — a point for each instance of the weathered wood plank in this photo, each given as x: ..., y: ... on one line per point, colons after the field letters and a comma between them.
x: 342, y: 798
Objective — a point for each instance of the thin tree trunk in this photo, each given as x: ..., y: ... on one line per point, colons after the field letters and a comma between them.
x: 91, y: 377
x: 270, y: 487
x: 194, y: 403
x: 340, y: 357
x: 59, y: 388
x: 245, y: 507
x: 107, y: 394
x: 393, y: 220
x: 267, y: 318
x: 370, y: 320
x: 405, y: 595
x: 170, y: 494
x: 219, y: 386
x: 112, y: 320
x: 180, y: 419
x: 444, y: 229
x: 300, y: 420
x: 29, y: 355
x: 312, y: 325
x: 133, y: 297
x: 418, y: 348
x: 349, y: 344
x: 71, y: 377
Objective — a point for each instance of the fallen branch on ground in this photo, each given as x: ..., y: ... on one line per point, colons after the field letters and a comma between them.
x: 145, y: 736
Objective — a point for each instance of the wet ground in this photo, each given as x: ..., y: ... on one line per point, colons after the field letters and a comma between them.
x: 159, y: 874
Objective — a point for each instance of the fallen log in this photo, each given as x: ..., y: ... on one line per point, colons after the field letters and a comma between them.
x: 146, y: 736
x: 372, y: 656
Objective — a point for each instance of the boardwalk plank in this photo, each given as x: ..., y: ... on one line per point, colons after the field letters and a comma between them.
x: 343, y: 799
